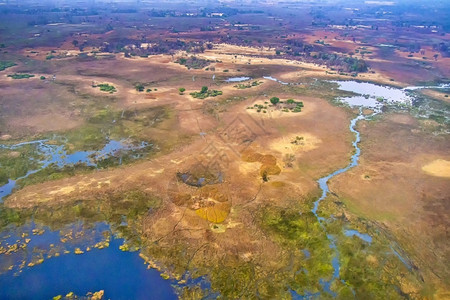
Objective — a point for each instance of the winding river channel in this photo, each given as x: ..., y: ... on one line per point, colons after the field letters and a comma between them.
x: 123, y: 274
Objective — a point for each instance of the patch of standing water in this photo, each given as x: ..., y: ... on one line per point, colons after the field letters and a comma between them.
x: 365, y: 237
x: 57, y: 155
x: 441, y: 86
x: 274, y: 79
x: 121, y: 274
x: 373, y: 95
x: 237, y: 79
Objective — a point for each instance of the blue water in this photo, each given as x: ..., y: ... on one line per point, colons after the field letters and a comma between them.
x: 237, y: 79
x: 122, y: 275
x: 58, y: 156
x: 365, y: 237
x: 274, y: 79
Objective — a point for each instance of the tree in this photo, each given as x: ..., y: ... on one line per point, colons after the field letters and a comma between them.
x: 182, y: 90
x: 139, y: 87
x: 75, y: 43
x: 204, y: 89
x: 274, y: 100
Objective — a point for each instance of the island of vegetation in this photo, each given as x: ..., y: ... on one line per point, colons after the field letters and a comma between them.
x: 205, y: 93
x: 6, y: 64
x: 105, y: 87
x: 20, y: 76
x: 242, y: 86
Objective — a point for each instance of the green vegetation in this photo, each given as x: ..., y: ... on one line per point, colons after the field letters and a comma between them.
x: 205, y: 93
x: 193, y: 62
x: 20, y: 76
x: 42, y: 77
x: 6, y: 64
x: 258, y: 107
x: 242, y: 86
x: 16, y: 163
x: 181, y: 90
x: 139, y: 87
x: 289, y: 106
x: 105, y: 87
x: 274, y: 100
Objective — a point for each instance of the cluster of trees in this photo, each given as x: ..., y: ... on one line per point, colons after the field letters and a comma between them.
x: 443, y: 48
x: 105, y: 87
x: 193, y: 62
x: 316, y: 54
x: 134, y: 48
x: 342, y: 63
x: 6, y: 64
x: 205, y: 93
x: 20, y: 76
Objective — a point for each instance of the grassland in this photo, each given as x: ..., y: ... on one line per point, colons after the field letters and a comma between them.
x: 6, y: 64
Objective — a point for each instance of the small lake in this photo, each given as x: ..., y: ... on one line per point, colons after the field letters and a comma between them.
x: 372, y: 95
x: 238, y: 79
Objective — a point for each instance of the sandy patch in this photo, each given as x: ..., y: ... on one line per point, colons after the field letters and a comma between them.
x: 439, y: 168
x: 13, y: 154
x: 295, y: 143
x: 5, y: 137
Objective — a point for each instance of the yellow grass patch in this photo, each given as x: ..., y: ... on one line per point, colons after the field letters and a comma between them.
x: 439, y: 168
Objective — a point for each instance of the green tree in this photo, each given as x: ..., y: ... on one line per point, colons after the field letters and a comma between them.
x: 182, y: 90
x: 204, y: 89
x: 139, y: 87
x: 274, y: 100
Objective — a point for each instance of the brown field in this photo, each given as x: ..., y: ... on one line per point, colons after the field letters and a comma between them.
x: 393, y: 186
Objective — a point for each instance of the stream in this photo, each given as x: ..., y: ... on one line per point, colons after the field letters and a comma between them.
x: 323, y: 184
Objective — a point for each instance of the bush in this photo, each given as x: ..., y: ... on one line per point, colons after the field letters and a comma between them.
x: 104, y: 87
x: 20, y: 76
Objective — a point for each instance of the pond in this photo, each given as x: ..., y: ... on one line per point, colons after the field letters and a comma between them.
x: 371, y: 95
x: 238, y: 79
